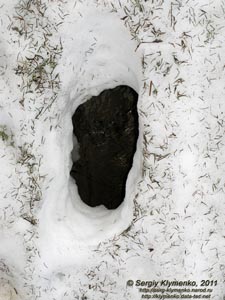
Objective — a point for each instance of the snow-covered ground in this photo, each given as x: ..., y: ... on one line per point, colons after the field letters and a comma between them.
x: 54, y: 55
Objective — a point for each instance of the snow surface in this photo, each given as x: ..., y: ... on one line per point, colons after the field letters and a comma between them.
x: 54, y: 55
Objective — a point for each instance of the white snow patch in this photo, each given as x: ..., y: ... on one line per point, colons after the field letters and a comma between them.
x: 172, y: 55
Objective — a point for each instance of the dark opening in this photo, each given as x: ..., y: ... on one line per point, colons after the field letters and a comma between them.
x: 106, y: 130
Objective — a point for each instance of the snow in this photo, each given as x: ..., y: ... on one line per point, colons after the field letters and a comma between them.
x: 55, y: 55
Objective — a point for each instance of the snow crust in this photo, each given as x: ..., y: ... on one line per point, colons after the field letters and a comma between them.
x: 171, y: 223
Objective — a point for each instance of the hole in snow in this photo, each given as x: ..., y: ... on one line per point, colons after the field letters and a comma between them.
x: 105, y: 134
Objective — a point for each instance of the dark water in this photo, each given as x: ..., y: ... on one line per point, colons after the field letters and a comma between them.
x: 106, y: 128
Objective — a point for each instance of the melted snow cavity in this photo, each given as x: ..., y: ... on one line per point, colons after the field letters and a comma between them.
x: 106, y: 127
x: 89, y: 66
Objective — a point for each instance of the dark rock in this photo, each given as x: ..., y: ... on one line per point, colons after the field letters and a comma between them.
x: 106, y: 128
